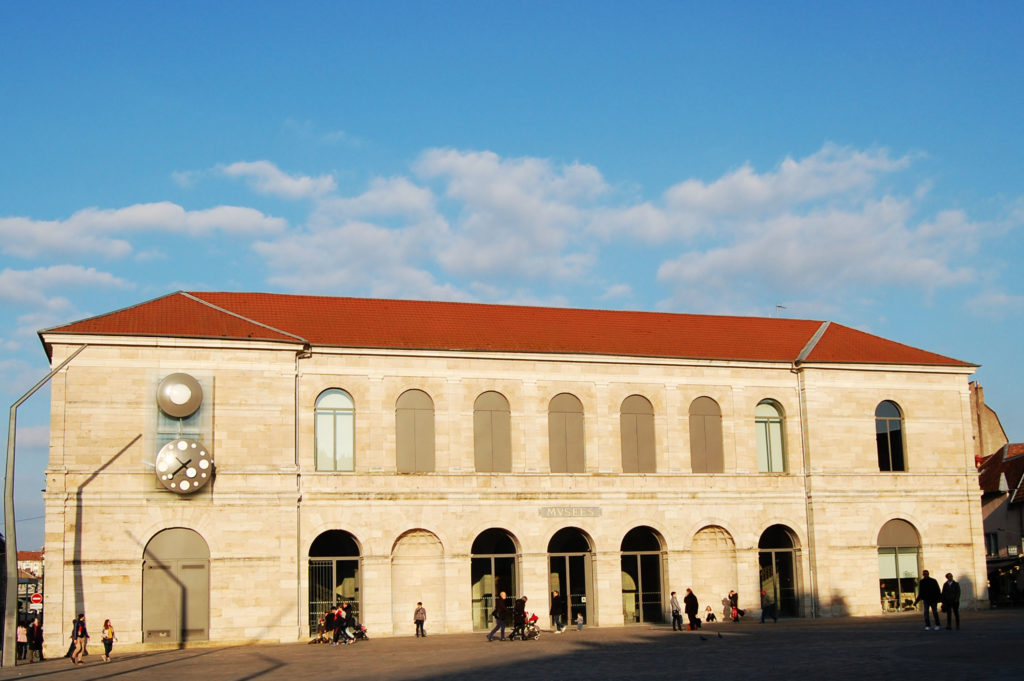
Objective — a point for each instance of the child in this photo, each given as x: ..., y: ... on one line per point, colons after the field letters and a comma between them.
x: 419, y: 617
x: 710, y: 616
x: 579, y: 621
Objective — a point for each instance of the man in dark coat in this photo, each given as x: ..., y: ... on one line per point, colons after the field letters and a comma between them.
x: 951, y: 601
x: 499, y: 616
x: 519, y: 618
x: 690, y: 607
x: 929, y: 592
x: 557, y: 611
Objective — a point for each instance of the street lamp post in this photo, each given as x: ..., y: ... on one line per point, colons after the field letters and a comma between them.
x: 11, y: 596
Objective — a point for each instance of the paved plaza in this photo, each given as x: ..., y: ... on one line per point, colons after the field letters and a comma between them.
x: 876, y: 648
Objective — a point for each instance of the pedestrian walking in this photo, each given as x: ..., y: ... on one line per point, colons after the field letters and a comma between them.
x: 519, y: 618
x: 35, y: 640
x: 768, y: 607
x: 557, y: 611
x: 579, y: 621
x: 929, y: 592
x: 79, y: 637
x: 690, y: 606
x: 677, y: 613
x: 734, y: 606
x: 108, y: 639
x: 21, y: 639
x: 951, y: 601
x: 419, y: 617
x: 499, y: 616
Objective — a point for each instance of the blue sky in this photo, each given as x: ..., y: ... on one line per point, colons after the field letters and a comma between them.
x: 857, y: 162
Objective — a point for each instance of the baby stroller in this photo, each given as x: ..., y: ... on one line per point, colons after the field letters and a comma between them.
x: 529, y: 631
x: 359, y: 632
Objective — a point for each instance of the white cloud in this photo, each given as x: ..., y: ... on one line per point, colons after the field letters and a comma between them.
x: 29, y: 287
x: 94, y: 230
x: 694, y: 206
x: 395, y: 196
x: 996, y: 305
x: 266, y: 178
x: 828, y: 251
x: 831, y: 171
x: 358, y: 258
x: 517, y: 216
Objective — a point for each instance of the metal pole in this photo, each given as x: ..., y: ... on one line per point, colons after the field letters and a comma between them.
x: 11, y: 596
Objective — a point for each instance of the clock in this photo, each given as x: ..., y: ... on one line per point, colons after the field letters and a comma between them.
x: 184, y: 466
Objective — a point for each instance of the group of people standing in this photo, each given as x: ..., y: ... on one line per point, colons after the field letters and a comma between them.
x: 929, y: 592
x: 690, y: 607
x: 336, y: 626
x: 30, y: 641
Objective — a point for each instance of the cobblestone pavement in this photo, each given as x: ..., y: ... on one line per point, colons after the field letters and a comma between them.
x: 877, y: 648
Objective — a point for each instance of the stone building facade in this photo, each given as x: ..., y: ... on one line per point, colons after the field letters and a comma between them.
x: 390, y: 452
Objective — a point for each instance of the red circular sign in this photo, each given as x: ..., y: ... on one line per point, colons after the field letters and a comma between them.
x: 36, y: 598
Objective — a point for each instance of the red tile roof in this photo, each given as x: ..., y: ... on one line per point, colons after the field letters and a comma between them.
x: 1008, y: 461
x: 420, y: 325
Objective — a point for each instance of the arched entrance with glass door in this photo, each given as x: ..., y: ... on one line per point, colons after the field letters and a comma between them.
x: 494, y: 568
x: 176, y: 587
x: 571, y: 571
x: 642, y: 597
x: 333, y: 574
x: 777, y: 557
x: 899, y: 550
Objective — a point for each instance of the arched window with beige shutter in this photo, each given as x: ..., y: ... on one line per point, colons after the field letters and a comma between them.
x: 492, y: 433
x: 565, y: 434
x: 637, y: 432
x: 706, y: 436
x: 414, y: 434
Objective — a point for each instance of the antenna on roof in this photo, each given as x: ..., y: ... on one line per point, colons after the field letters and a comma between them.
x: 779, y: 309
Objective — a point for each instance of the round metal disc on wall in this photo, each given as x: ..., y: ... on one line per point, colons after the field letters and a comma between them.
x: 179, y: 395
x: 184, y: 465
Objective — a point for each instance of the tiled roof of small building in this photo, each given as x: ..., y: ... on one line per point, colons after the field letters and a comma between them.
x: 424, y: 325
x: 1008, y: 462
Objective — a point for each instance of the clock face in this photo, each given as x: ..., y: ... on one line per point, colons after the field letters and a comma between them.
x: 184, y: 466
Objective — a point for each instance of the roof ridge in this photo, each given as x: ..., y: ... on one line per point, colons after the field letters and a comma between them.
x: 809, y: 348
x: 242, y: 317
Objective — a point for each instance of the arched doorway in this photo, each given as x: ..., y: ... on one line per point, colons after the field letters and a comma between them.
x: 642, y: 598
x: 333, y: 574
x: 899, y: 550
x: 571, y: 571
x: 493, y: 569
x: 417, y: 574
x: 713, y: 560
x: 176, y: 587
x: 777, y: 558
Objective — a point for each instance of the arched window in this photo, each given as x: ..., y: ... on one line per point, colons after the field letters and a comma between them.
x: 414, y: 432
x: 335, y: 431
x: 771, y: 450
x: 565, y: 434
x: 637, y: 425
x: 889, y: 437
x: 706, y: 436
x: 492, y: 434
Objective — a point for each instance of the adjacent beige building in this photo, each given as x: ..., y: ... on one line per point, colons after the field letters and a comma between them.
x: 225, y: 466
